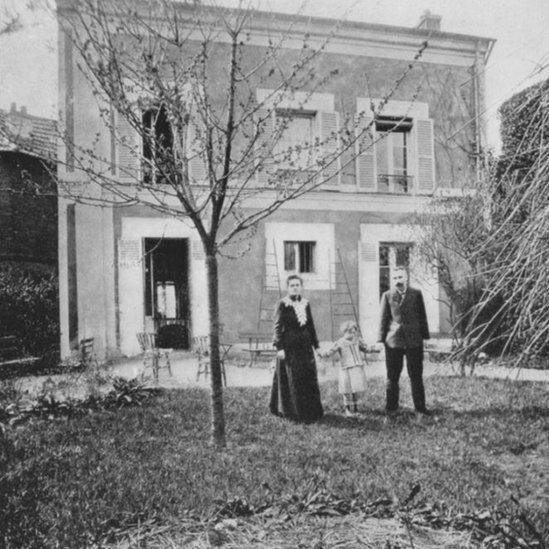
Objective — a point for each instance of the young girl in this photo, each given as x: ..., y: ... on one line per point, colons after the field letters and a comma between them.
x: 352, y: 379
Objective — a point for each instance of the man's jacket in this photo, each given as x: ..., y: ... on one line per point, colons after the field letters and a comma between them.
x: 403, y: 323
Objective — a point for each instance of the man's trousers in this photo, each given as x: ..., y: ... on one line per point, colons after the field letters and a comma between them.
x: 394, y: 360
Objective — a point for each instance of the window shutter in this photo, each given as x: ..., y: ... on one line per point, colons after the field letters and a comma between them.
x: 368, y: 288
x: 382, y: 157
x: 127, y: 148
x: 129, y: 253
x: 329, y: 135
x: 368, y: 251
x: 267, y: 120
x: 198, y: 171
x: 365, y: 154
x: 425, y: 156
x: 197, y: 250
x: 131, y: 304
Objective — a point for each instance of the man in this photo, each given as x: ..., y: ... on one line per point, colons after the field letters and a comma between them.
x: 403, y: 327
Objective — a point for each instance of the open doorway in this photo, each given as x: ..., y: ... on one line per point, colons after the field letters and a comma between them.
x: 392, y: 255
x: 167, y: 290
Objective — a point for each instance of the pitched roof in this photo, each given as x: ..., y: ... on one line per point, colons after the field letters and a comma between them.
x: 22, y: 132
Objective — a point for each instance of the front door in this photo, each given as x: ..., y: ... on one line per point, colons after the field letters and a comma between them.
x: 167, y: 290
x: 382, y: 248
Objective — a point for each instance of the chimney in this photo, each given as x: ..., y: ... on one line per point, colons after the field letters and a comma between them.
x: 13, y: 108
x: 429, y: 21
x: 23, y: 110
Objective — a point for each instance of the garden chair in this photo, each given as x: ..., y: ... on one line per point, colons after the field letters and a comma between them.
x: 87, y: 353
x: 153, y: 355
x: 200, y: 346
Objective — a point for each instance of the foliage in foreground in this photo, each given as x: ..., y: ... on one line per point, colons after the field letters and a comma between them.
x: 489, y: 246
x: 73, y: 481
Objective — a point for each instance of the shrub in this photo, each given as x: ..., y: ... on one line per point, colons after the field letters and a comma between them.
x: 29, y: 308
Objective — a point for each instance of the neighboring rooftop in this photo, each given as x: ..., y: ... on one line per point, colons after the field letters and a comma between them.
x: 22, y: 132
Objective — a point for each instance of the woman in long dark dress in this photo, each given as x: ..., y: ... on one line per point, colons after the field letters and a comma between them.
x: 295, y: 393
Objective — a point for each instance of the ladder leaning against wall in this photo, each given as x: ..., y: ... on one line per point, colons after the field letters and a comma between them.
x: 342, y: 305
x: 271, y: 289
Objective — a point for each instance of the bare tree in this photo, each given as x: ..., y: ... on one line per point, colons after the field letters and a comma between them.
x: 450, y: 234
x: 177, y: 86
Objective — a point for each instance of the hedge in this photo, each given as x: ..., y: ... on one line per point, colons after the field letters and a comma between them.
x: 29, y: 308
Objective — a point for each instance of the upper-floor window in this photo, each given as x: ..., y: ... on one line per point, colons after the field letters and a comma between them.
x: 299, y: 256
x: 294, y: 147
x: 157, y: 143
x: 392, y: 154
x: 297, y: 132
x: 146, y: 154
x: 394, y: 147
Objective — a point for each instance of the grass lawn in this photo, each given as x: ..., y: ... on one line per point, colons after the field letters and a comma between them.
x: 69, y: 481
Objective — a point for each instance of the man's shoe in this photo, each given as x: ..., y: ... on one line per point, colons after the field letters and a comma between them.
x: 424, y: 412
x: 390, y: 416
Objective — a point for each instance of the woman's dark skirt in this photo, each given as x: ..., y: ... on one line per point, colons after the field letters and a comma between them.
x: 295, y: 393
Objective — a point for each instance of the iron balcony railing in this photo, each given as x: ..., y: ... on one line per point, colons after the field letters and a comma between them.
x: 394, y: 183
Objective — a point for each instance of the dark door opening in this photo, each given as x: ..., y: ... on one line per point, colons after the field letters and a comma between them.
x: 391, y: 256
x: 167, y: 290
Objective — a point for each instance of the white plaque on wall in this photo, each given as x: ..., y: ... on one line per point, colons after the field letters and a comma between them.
x: 129, y: 253
x: 197, y: 250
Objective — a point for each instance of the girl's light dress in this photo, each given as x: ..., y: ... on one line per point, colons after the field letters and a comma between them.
x: 352, y: 378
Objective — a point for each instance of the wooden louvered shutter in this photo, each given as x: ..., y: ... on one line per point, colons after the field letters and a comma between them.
x: 382, y: 161
x: 127, y: 149
x: 365, y: 154
x: 130, y: 279
x: 267, y: 120
x: 198, y: 170
x: 425, y: 156
x: 369, y: 288
x: 329, y: 135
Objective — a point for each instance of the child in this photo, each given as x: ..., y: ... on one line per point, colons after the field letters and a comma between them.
x: 352, y: 379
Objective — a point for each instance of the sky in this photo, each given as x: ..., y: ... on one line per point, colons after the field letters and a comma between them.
x: 28, y: 64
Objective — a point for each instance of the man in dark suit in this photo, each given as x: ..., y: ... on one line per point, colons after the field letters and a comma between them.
x: 403, y: 327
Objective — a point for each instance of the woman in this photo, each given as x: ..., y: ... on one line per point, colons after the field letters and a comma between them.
x: 295, y: 394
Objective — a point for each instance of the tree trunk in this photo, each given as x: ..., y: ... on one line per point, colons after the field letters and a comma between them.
x: 217, y: 411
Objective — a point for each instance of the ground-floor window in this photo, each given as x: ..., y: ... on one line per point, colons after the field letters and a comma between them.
x: 299, y: 256
x: 392, y: 255
x: 306, y: 249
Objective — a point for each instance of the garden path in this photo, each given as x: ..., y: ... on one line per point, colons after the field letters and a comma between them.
x: 184, y: 369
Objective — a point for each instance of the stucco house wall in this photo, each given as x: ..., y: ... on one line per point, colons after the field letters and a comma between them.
x: 101, y: 253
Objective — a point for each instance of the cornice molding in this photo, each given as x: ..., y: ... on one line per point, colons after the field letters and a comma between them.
x: 343, y: 37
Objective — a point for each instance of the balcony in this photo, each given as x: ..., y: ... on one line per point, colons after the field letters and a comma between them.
x: 395, y: 184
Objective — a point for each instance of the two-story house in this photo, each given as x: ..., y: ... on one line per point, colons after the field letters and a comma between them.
x: 124, y: 267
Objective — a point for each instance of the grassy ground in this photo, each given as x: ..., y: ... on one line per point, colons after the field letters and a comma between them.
x: 70, y: 481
